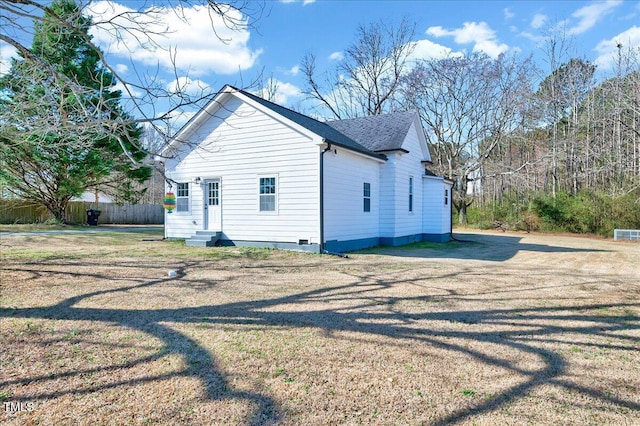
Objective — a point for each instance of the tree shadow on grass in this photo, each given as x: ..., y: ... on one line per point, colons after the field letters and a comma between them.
x: 364, y: 315
x: 491, y: 247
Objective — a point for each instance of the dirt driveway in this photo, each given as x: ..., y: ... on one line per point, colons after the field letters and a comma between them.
x: 498, y: 328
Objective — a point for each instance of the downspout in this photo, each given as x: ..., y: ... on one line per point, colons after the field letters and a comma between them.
x: 328, y: 148
x: 451, y: 214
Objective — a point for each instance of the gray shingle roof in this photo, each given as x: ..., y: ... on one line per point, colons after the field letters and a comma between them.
x: 377, y: 132
x: 331, y: 134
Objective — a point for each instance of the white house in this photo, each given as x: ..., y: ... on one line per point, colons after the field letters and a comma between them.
x: 246, y: 171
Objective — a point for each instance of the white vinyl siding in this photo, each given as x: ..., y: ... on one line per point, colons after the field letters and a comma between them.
x: 437, y: 217
x: 345, y: 218
x: 408, y: 200
x: 388, y: 196
x: 239, y: 144
x: 402, y: 190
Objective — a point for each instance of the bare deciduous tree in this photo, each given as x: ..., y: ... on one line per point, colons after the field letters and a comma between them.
x: 367, y: 77
x: 143, y: 22
x: 469, y: 104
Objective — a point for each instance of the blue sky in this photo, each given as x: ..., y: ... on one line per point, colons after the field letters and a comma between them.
x: 276, y: 43
x: 327, y: 27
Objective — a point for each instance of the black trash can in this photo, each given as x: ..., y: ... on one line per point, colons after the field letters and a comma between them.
x: 92, y: 217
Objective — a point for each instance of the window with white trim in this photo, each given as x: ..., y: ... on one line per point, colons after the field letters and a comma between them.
x: 446, y: 197
x: 410, y: 194
x: 182, y: 197
x: 267, y: 194
x: 366, y: 196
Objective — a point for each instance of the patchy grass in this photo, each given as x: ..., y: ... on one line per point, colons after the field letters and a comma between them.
x: 37, y: 227
x: 422, y: 245
x: 506, y: 329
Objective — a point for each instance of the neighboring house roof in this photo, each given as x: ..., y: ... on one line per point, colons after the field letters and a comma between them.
x: 90, y: 196
x: 324, y: 130
x: 378, y: 133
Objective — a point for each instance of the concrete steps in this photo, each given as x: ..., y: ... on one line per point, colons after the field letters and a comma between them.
x: 203, y: 239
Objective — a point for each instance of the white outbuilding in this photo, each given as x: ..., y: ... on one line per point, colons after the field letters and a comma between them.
x: 246, y: 171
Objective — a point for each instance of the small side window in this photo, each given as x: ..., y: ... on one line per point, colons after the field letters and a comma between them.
x: 182, y: 197
x: 446, y: 197
x: 366, y: 193
x: 410, y: 194
x: 268, y: 194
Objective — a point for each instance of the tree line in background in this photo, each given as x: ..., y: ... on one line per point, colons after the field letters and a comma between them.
x: 531, y: 147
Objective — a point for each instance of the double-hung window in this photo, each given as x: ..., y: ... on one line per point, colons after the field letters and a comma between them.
x: 267, y: 193
x: 410, y: 194
x: 366, y: 197
x: 182, y: 197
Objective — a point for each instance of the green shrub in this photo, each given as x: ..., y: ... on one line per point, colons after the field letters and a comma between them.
x: 586, y: 212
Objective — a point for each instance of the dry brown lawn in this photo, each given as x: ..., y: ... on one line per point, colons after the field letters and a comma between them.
x: 504, y: 329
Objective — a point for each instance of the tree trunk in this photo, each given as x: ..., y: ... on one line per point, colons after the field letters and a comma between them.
x: 58, y: 209
x: 462, y: 213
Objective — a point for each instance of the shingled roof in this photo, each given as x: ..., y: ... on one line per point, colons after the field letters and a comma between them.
x: 378, y: 133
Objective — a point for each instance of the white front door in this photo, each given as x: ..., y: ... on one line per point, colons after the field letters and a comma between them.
x: 212, y: 209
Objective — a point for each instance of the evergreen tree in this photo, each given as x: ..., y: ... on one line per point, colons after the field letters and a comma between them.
x: 62, y: 128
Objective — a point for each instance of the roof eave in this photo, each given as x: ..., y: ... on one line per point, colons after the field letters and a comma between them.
x: 402, y: 150
x: 370, y: 154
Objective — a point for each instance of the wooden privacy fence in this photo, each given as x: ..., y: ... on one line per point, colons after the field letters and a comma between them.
x: 18, y: 211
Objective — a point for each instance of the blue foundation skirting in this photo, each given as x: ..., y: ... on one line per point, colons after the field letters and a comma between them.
x: 337, y: 246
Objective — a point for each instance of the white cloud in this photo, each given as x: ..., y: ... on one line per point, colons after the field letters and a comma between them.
x: 189, y: 87
x: 589, y: 15
x: 304, y: 2
x: 508, y: 14
x: 182, y: 35
x: 132, y: 92
x: 7, y: 52
x: 536, y: 38
x: 608, y: 49
x: 480, y: 35
x: 538, y: 20
x: 426, y: 49
x: 336, y: 56
x: 177, y: 119
x: 121, y: 68
x: 285, y: 92
x: 294, y: 70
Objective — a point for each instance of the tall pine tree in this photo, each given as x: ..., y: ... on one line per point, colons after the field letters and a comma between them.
x: 62, y: 128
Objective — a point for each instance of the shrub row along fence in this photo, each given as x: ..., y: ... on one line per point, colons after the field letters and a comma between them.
x: 18, y: 211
